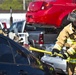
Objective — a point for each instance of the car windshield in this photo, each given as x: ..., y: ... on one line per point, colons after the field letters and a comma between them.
x: 46, y: 0
x: 16, y: 27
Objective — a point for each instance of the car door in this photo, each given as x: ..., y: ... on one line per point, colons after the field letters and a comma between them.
x: 13, y: 61
x: 6, y: 57
x: 25, y: 64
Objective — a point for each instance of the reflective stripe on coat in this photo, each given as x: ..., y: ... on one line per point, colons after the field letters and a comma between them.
x: 67, y: 38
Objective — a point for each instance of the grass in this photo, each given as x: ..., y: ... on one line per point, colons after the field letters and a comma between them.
x: 14, y: 4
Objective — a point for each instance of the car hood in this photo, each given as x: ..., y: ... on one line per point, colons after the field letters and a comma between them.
x: 57, y: 62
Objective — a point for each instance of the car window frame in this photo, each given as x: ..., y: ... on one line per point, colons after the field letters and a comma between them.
x: 18, y: 51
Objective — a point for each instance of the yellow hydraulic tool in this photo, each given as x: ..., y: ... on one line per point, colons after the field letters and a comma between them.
x: 39, y: 50
x: 43, y: 51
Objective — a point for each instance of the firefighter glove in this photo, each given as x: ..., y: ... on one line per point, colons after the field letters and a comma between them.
x: 55, y: 51
x: 65, y: 55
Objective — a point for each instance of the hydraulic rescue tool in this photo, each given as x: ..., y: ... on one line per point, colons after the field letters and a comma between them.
x: 44, y: 51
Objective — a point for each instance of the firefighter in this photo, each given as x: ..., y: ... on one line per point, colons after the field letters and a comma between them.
x: 67, y: 38
x: 14, y: 36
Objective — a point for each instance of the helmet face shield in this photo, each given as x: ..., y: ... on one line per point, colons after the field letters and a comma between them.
x: 72, y: 16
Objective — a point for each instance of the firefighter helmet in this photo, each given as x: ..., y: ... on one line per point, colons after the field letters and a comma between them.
x: 72, y: 16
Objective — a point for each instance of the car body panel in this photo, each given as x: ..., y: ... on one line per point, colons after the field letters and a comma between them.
x: 59, y: 63
x: 15, y: 69
x: 17, y: 60
x: 49, y: 13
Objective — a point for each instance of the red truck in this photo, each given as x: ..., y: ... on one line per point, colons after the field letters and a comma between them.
x: 49, y: 13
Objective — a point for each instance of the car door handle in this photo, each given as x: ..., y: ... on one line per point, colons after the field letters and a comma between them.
x: 3, y: 73
x: 22, y: 72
